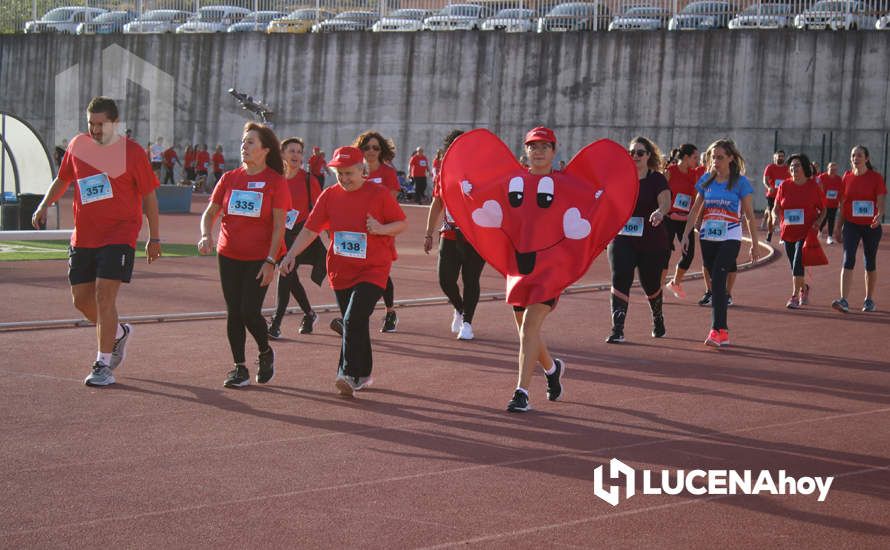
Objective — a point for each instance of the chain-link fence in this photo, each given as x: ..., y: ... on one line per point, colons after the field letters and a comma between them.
x: 508, y: 15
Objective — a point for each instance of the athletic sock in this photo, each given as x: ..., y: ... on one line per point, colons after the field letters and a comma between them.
x: 104, y: 358
x: 523, y: 390
x: 552, y: 369
x: 120, y: 332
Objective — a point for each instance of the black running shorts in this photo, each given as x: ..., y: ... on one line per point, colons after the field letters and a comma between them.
x: 114, y: 261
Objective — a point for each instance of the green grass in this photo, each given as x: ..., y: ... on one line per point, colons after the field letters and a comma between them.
x: 14, y: 251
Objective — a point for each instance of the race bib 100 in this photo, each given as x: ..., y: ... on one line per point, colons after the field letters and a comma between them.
x: 862, y: 209
x: 794, y: 216
x: 633, y: 228
x: 291, y: 218
x: 714, y: 230
x: 94, y: 188
x: 246, y: 203
x: 351, y: 244
x: 683, y: 202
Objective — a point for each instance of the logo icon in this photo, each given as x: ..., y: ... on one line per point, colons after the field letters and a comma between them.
x: 616, y: 470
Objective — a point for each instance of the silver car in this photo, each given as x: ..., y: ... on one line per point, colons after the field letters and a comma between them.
x: 347, y: 21
x: 511, y: 20
x: 211, y: 19
x: 640, y: 18
x: 62, y: 20
x: 107, y: 23
x: 763, y: 16
x: 456, y: 17
x: 403, y: 20
x: 835, y: 15
x: 256, y: 21
x: 157, y: 21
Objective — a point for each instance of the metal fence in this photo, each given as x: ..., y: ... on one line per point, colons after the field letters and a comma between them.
x: 537, y: 15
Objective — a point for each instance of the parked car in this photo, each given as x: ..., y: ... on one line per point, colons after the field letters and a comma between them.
x: 157, y: 21
x: 883, y: 23
x: 641, y: 18
x: 256, y: 21
x: 403, y: 20
x: 511, y: 20
x: 213, y: 19
x: 576, y: 16
x: 837, y: 14
x: 763, y: 16
x: 702, y: 16
x: 64, y: 19
x: 106, y: 23
x: 347, y: 21
x: 456, y: 17
x: 299, y: 21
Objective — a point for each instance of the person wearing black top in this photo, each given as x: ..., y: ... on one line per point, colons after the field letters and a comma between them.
x: 643, y: 244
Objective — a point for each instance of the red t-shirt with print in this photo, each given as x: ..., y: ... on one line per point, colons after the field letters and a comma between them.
x: 801, y: 206
x: 861, y: 193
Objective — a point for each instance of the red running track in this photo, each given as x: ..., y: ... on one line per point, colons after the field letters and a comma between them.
x: 428, y: 457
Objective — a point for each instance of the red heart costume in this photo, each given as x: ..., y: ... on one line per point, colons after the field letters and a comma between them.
x: 541, y: 232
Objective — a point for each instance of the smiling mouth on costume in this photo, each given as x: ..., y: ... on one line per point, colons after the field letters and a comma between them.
x: 525, y: 261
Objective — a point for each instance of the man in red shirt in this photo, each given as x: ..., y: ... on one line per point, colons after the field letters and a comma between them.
x: 318, y: 166
x: 219, y: 162
x: 418, y: 166
x: 114, y: 186
x: 170, y: 157
x: 773, y: 176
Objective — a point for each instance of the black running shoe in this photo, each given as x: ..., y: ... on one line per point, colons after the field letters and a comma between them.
x: 554, y: 381
x: 274, y: 331
x: 705, y: 299
x: 267, y: 366
x: 519, y: 403
x: 390, y: 322
x: 237, y: 377
x: 337, y: 326
x: 308, y: 322
x: 616, y: 337
x: 658, y: 329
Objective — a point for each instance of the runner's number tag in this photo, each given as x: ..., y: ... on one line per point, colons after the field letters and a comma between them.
x: 714, y: 230
x: 351, y: 244
x: 682, y: 202
x: 779, y: 183
x: 794, y: 216
x: 95, y: 188
x: 291, y: 219
x: 246, y: 203
x: 831, y: 194
x: 862, y: 209
x: 633, y: 228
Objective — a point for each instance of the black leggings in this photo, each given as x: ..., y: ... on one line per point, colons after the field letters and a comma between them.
x: 718, y: 258
x: 419, y: 189
x: 870, y: 238
x: 675, y: 231
x: 356, y: 305
x: 389, y: 294
x: 794, y: 251
x: 290, y: 285
x: 624, y: 259
x: 829, y: 220
x: 168, y: 176
x: 457, y: 256
x: 244, y: 303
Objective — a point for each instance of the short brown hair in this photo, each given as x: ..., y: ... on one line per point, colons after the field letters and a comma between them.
x: 102, y: 104
x: 387, y: 147
x: 290, y: 140
x: 269, y: 140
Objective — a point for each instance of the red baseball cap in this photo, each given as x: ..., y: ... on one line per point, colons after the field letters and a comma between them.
x: 540, y: 134
x: 346, y: 156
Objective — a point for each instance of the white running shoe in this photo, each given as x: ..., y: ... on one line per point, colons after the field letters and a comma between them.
x: 466, y: 332
x: 456, y: 322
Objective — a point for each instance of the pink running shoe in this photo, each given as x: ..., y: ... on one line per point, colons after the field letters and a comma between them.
x: 724, y: 337
x: 676, y: 289
x: 713, y: 339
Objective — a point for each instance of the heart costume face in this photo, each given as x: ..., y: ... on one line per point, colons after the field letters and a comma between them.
x: 541, y: 232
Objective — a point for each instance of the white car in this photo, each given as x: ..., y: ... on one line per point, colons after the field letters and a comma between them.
x: 157, y: 21
x: 835, y: 15
x: 347, y: 21
x: 63, y: 20
x: 640, y: 18
x: 213, y: 19
x: 256, y: 21
x: 883, y: 23
x: 456, y: 17
x: 403, y: 20
x: 763, y: 16
x: 511, y: 20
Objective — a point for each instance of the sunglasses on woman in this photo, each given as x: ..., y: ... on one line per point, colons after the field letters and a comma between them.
x: 638, y: 152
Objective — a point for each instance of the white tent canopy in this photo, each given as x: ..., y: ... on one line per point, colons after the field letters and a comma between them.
x: 26, y: 164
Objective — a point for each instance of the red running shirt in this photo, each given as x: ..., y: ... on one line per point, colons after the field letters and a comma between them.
x: 861, y: 193
x: 385, y: 175
x: 833, y: 187
x: 682, y: 191
x: 169, y: 156
x: 774, y: 175
x: 109, y: 183
x: 202, y: 158
x: 801, y: 206
x: 247, y: 203
x: 299, y: 200
x: 418, y: 166
x: 448, y: 225
x: 218, y: 161
x: 189, y: 160
x: 356, y: 256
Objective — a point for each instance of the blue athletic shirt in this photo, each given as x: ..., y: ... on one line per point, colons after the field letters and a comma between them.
x: 723, y: 205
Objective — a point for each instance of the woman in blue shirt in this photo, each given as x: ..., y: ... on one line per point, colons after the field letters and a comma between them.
x: 724, y: 194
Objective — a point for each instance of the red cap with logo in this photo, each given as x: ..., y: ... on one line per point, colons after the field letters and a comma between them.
x: 540, y: 134
x: 346, y: 156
